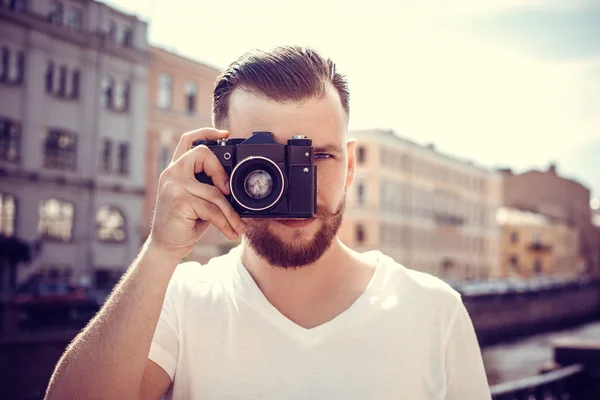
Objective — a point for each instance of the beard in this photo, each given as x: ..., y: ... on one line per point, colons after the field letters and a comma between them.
x: 296, y: 253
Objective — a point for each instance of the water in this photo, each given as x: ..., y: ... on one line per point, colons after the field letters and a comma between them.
x: 523, y: 358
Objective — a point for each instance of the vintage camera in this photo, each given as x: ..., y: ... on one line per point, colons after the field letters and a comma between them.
x: 267, y: 179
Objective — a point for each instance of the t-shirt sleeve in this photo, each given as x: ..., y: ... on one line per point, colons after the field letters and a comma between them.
x: 465, y: 373
x: 164, y: 349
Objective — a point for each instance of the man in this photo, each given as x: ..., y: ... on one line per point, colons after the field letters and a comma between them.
x: 291, y: 313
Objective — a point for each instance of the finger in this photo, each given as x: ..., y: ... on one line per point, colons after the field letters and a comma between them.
x: 188, y: 138
x: 207, y: 211
x: 215, y: 197
x: 201, y: 159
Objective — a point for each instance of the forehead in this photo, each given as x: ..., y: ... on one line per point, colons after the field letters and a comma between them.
x: 321, y: 119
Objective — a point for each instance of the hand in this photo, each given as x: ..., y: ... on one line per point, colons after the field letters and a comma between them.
x: 184, y: 206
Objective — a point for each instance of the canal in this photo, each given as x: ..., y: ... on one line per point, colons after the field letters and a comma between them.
x: 525, y: 357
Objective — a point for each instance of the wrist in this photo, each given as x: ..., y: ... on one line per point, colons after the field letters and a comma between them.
x: 158, y: 255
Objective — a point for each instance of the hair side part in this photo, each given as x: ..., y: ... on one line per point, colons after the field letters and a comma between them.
x: 283, y: 74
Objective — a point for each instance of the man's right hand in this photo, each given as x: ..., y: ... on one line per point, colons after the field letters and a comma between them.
x: 184, y: 206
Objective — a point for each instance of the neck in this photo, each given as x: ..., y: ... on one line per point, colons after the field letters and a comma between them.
x: 329, y: 272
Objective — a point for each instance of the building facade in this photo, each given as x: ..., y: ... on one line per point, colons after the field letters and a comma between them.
x: 179, y: 101
x: 562, y: 200
x: 428, y: 211
x: 72, y: 134
x: 533, y: 245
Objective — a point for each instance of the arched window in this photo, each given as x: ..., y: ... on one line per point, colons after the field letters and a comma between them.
x: 56, y: 219
x: 191, y: 91
x: 165, y: 84
x: 8, y: 208
x: 110, y: 225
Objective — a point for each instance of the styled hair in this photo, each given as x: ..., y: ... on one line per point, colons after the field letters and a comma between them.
x: 283, y: 74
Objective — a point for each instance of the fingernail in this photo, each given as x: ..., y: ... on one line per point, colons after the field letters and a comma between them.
x: 227, y: 186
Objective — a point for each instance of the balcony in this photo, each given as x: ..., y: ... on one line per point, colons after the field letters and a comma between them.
x: 539, y: 247
x: 448, y: 219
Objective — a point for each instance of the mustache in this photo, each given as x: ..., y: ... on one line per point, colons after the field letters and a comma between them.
x: 325, y: 213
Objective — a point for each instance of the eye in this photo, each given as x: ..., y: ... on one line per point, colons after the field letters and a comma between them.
x: 323, y: 156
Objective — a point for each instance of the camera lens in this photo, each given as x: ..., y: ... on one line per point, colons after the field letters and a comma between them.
x: 258, y: 184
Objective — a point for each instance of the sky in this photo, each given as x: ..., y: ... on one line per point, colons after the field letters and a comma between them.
x: 511, y: 83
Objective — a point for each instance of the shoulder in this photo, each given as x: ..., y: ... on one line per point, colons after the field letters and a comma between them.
x: 422, y: 289
x: 192, y: 276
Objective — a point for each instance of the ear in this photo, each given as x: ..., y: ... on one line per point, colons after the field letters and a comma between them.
x: 350, y: 148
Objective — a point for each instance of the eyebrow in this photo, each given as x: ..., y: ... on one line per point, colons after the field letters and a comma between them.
x: 328, y: 148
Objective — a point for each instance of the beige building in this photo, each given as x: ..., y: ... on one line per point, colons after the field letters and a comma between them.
x: 179, y: 100
x: 533, y: 245
x: 563, y: 201
x: 72, y: 134
x: 429, y: 211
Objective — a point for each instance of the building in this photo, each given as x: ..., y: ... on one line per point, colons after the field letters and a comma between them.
x: 72, y: 134
x: 533, y: 245
x: 429, y: 211
x: 179, y: 100
x: 562, y: 200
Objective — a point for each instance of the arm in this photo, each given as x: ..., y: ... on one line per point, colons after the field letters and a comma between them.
x: 465, y: 373
x: 108, y: 358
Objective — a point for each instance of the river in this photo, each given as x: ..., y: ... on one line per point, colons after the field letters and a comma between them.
x: 525, y: 357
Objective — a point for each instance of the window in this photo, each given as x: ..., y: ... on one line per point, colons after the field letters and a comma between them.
x: 50, y: 77
x: 15, y: 5
x: 360, y: 233
x: 110, y: 225
x: 107, y: 93
x: 57, y: 81
x: 60, y: 149
x: 105, y: 159
x: 12, y: 66
x: 7, y: 215
x: 111, y: 31
x: 164, y: 91
x: 190, y: 97
x: 361, y: 193
x: 360, y: 155
x: 121, y: 96
x: 17, y: 68
x: 73, y: 18
x: 115, y: 95
x: 537, y: 266
x: 55, y: 15
x: 10, y: 140
x: 56, y: 220
x: 62, y: 82
x: 5, y: 64
x: 123, y: 158
x: 75, y: 84
x: 163, y: 158
x: 127, y: 38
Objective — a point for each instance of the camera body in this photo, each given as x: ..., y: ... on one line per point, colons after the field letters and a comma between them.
x: 267, y: 179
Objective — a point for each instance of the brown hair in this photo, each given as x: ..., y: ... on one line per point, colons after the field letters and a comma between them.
x: 287, y: 73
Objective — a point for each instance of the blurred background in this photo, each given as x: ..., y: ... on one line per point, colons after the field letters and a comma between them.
x: 478, y: 128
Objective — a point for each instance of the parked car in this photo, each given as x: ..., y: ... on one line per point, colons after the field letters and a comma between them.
x: 44, y: 301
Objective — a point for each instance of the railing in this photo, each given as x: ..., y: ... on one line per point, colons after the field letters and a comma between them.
x: 562, y: 384
x: 577, y: 376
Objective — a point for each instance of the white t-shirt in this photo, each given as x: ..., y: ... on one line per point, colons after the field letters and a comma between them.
x: 408, y: 336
